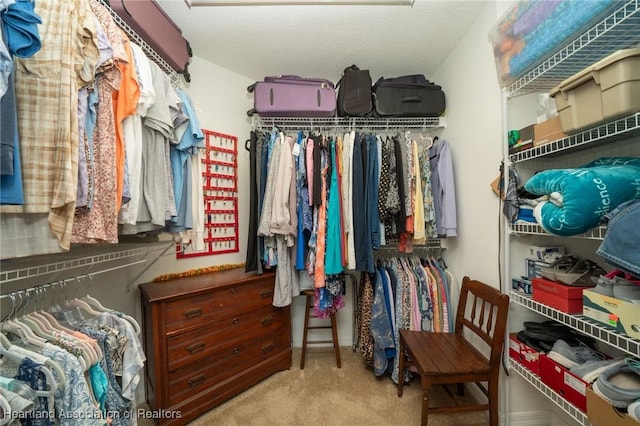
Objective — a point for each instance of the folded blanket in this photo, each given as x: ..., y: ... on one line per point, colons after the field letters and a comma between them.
x: 579, y: 198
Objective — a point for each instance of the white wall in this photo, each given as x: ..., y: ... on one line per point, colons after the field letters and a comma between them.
x: 475, y: 133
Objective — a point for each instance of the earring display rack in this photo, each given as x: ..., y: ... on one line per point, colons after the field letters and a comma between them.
x: 220, y: 185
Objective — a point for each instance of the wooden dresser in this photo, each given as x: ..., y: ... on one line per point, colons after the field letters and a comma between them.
x: 210, y: 337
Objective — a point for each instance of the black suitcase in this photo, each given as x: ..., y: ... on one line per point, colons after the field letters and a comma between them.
x: 408, y: 96
x: 354, y: 93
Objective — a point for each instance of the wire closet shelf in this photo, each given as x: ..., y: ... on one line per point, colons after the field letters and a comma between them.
x: 618, y: 30
x: 348, y: 123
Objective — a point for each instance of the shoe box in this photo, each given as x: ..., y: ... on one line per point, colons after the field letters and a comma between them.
x: 545, y: 253
x: 522, y: 285
x: 618, y: 314
x: 523, y: 354
x: 562, y: 381
x: 602, y: 413
x: 565, y: 298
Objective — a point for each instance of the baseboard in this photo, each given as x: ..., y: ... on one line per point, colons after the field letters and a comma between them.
x: 526, y: 418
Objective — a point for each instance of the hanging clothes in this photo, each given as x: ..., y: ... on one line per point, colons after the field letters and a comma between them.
x: 50, y: 149
x: 404, y: 293
x: 444, y: 192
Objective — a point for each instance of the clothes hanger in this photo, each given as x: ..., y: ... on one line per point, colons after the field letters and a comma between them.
x: 425, y: 141
x: 18, y: 353
x: 34, y: 336
x: 21, y: 330
x: 6, y: 351
x: 94, y: 303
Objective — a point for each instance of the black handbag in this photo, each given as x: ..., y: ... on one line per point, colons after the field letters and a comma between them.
x: 408, y: 96
x: 354, y: 93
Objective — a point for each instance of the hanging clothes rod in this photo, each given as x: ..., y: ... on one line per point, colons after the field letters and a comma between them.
x: 91, y: 275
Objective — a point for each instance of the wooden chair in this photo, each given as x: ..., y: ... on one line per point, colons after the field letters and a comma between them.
x: 448, y: 358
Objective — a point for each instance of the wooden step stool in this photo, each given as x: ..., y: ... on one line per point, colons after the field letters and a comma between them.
x: 310, y: 296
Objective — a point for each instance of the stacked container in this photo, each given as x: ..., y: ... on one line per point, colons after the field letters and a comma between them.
x: 606, y: 90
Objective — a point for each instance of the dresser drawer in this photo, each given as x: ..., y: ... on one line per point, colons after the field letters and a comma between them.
x: 203, y: 342
x: 217, y: 305
x: 189, y: 381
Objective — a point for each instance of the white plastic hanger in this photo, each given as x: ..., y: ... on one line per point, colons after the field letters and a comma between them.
x: 21, y: 330
x: 89, y: 352
x: 96, y: 304
x: 5, y: 350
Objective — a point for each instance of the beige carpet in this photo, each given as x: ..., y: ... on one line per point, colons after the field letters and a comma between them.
x: 322, y: 394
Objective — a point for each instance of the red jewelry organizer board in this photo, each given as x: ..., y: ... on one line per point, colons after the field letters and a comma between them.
x: 220, y: 185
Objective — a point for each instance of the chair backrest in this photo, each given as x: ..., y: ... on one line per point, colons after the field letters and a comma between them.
x: 483, y: 311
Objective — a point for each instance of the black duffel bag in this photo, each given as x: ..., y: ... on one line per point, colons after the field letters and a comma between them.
x: 408, y: 96
x: 354, y: 93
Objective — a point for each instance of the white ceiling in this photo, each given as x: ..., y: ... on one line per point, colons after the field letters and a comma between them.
x: 320, y: 41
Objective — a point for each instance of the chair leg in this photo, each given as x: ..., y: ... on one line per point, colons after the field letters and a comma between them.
x: 336, y: 344
x: 493, y: 400
x: 426, y: 392
x: 305, y: 331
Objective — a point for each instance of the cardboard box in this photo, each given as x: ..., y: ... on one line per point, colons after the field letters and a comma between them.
x: 525, y: 139
x: 601, y: 413
x: 520, y: 147
x: 620, y: 315
x: 544, y: 253
x: 565, y: 298
x: 563, y: 382
x: 523, y: 354
x: 548, y: 131
x: 522, y: 285
x: 527, y: 134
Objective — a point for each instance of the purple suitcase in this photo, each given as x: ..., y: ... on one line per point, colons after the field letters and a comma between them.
x: 157, y: 29
x: 293, y: 96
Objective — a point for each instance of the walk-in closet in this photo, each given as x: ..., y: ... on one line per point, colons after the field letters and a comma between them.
x: 176, y: 250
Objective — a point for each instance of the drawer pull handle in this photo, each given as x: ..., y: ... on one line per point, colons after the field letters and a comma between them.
x: 196, y: 347
x: 266, y: 293
x: 195, y: 381
x: 236, y: 351
x: 236, y: 321
x: 266, y: 320
x: 233, y: 290
x: 268, y: 348
x: 193, y: 313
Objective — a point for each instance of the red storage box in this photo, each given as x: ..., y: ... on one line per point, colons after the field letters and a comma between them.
x: 560, y: 296
x: 561, y: 380
x: 523, y: 354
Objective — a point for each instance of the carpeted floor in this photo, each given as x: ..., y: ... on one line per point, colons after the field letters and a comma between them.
x: 323, y: 395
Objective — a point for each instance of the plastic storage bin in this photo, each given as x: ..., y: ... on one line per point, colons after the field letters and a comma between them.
x: 604, y: 91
